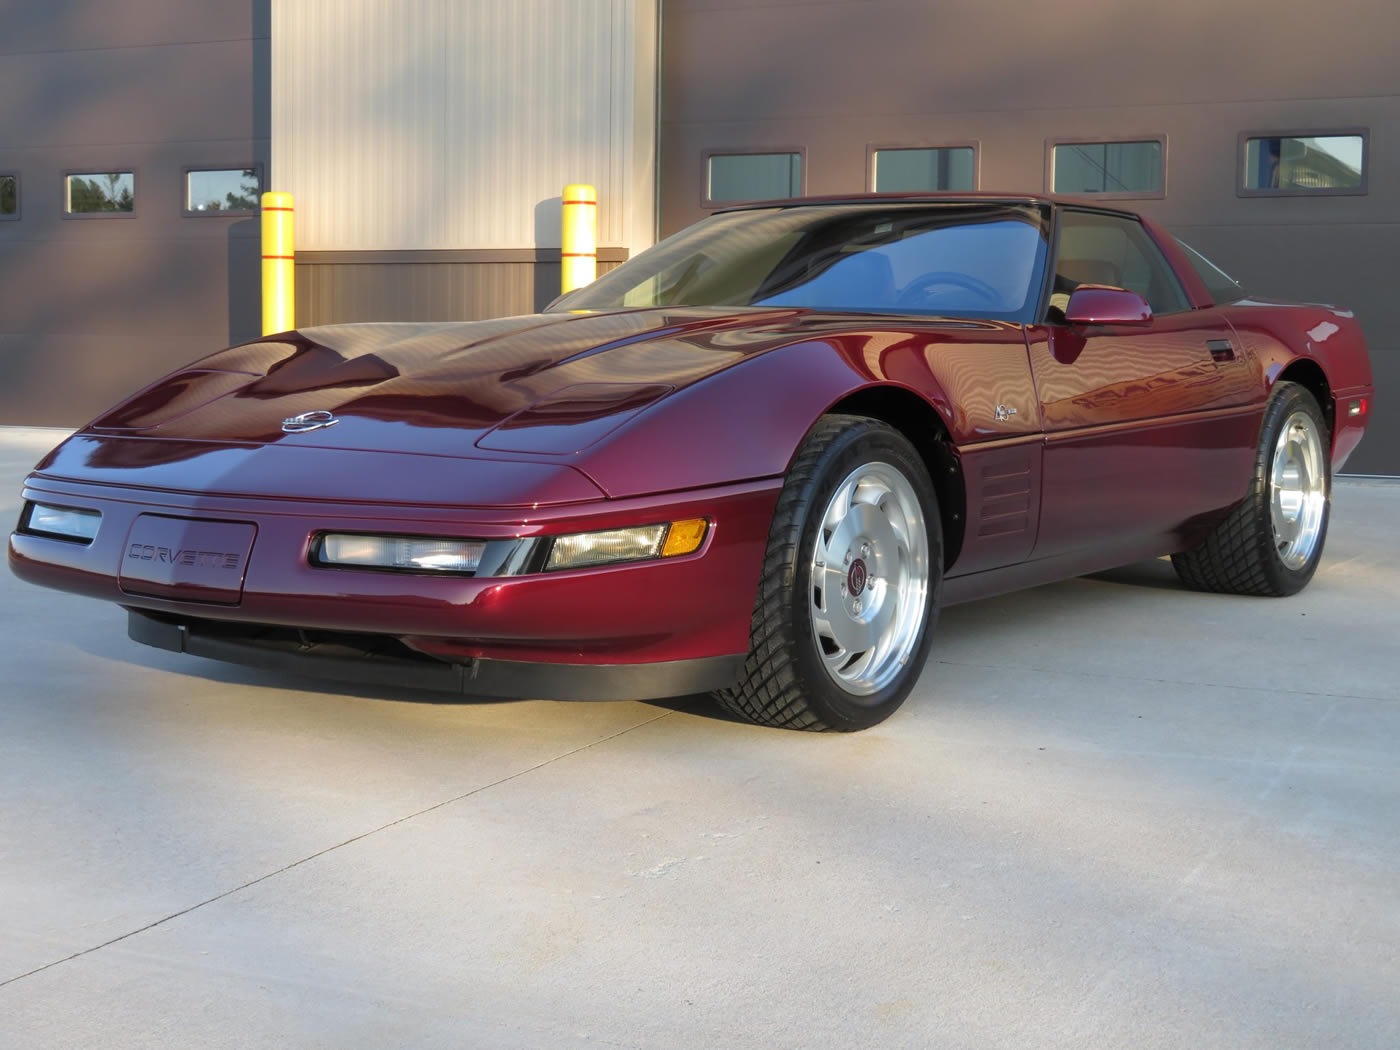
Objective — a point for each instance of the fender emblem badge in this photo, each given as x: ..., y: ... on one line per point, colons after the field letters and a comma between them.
x: 308, y: 421
x: 1003, y: 413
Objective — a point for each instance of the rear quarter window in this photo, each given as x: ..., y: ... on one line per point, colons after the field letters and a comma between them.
x: 1222, y: 287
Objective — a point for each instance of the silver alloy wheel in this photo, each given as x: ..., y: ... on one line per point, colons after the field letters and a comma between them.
x: 1298, y: 490
x: 869, y: 578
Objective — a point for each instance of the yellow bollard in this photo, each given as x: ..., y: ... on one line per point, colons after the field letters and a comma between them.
x: 278, y: 264
x: 579, y: 249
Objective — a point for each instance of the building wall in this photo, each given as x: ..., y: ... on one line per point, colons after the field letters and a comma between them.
x: 430, y: 140
x: 429, y: 286
x: 93, y: 307
x: 427, y: 141
x: 833, y: 79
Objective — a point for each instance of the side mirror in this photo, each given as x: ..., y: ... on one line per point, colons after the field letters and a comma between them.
x: 1093, y: 304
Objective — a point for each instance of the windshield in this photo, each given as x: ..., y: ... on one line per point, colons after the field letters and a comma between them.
x: 948, y: 260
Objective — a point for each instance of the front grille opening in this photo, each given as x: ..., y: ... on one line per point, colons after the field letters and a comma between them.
x: 306, y: 640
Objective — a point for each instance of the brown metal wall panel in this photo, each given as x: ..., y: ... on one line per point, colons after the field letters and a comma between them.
x: 835, y: 78
x: 93, y: 25
x: 780, y: 59
x: 92, y: 308
x: 191, y: 91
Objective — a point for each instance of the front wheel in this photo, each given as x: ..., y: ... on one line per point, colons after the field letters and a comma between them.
x: 1272, y: 542
x: 851, y: 577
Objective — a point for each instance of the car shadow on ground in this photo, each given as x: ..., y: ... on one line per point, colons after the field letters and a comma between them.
x: 116, y: 646
x: 1157, y: 574
x: 1010, y: 611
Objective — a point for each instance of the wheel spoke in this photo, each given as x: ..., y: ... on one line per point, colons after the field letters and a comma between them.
x: 884, y: 616
x: 839, y: 506
x: 1285, y: 521
x: 836, y: 547
x: 837, y: 661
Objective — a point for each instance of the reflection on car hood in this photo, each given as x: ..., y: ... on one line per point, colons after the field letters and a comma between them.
x: 551, y: 383
x: 439, y: 388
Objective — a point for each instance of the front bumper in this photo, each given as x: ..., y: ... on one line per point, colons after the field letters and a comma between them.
x: 368, y: 660
x: 687, y: 608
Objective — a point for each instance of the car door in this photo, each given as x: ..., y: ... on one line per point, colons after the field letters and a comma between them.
x: 1148, y: 428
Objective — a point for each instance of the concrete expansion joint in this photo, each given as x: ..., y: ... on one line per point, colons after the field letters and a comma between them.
x: 331, y: 849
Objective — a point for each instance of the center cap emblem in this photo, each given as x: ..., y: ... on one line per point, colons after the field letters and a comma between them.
x: 308, y: 421
x: 855, y: 579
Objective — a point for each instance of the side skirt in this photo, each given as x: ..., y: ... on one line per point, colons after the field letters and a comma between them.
x: 975, y: 585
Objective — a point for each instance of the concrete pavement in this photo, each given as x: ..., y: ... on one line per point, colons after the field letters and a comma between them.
x: 1113, y: 814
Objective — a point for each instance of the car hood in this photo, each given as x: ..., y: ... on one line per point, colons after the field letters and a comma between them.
x: 538, y: 384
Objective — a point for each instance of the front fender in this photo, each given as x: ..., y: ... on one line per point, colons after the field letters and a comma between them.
x: 743, y: 423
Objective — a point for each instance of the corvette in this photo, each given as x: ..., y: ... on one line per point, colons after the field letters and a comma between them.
x: 755, y: 460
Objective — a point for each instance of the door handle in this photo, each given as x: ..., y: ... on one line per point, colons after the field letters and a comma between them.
x: 1220, y: 349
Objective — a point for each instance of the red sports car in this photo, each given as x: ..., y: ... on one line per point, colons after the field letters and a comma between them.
x: 754, y: 460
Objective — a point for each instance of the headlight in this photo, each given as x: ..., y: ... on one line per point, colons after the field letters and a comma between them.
x: 65, y: 523
x: 584, y: 550
x: 507, y: 557
x: 404, y: 553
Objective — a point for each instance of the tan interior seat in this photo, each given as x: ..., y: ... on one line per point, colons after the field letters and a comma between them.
x: 1090, y: 271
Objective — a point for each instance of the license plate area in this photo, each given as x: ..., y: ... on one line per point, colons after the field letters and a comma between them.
x: 186, y: 559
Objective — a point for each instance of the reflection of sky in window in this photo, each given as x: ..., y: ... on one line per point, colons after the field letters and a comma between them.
x: 1345, y: 148
x: 858, y: 258
x: 211, y: 190
x: 1001, y: 255
x: 1313, y: 162
x: 88, y: 191
x: 111, y: 183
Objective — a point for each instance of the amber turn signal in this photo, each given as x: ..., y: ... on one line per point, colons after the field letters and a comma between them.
x: 685, y: 537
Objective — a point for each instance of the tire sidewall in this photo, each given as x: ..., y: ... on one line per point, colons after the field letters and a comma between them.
x: 860, y: 444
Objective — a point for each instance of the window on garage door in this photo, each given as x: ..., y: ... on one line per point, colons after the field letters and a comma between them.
x: 94, y: 193
x: 918, y: 169
x: 222, y: 191
x: 736, y: 177
x: 1303, y: 163
x: 1130, y: 169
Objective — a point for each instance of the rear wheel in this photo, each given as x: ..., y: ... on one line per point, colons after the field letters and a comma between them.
x: 849, y: 592
x: 1272, y: 542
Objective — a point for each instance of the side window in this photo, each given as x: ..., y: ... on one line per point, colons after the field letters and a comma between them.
x: 1116, y: 251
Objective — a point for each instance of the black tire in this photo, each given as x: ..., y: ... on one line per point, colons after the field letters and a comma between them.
x: 784, y: 683
x: 1241, y: 555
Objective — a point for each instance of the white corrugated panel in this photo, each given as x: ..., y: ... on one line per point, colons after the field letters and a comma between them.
x: 452, y: 124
